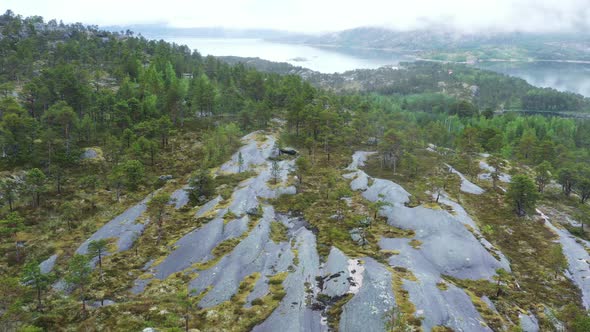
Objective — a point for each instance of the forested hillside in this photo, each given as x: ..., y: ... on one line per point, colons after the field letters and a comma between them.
x: 145, y: 186
x: 426, y: 81
x: 448, y: 44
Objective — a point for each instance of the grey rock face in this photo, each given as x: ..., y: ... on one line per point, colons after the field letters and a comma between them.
x: 466, y: 185
x: 293, y: 313
x: 367, y: 310
x: 357, y: 235
x: 47, y: 265
x: 577, y: 256
x: 256, y: 253
x: 489, y: 303
x: 89, y: 153
x: 452, y: 307
x: 165, y: 178
x: 506, y: 178
x: 179, y: 197
x: 124, y: 228
x: 245, y: 197
x: 336, y: 274
x: 358, y: 159
x: 557, y: 324
x: 196, y: 246
x: 461, y: 215
x: 528, y: 323
x: 445, y: 247
x: 252, y: 154
x: 208, y: 206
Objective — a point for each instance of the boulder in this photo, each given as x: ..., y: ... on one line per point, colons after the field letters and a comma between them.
x: 372, y: 141
x: 93, y: 153
x: 366, y: 221
x: 528, y: 323
x: 289, y: 151
x: 254, y: 211
x: 165, y: 178
x: 357, y: 235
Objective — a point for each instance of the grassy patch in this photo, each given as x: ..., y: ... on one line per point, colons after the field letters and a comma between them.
x: 402, y: 297
x: 415, y: 243
x: 335, y: 311
x: 278, y: 232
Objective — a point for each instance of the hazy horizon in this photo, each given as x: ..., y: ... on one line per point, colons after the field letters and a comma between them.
x: 307, y: 16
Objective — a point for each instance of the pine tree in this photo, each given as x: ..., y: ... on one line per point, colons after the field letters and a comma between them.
x: 33, y: 277
x: 522, y: 194
x: 157, y: 209
x: 543, y: 177
x: 275, y: 171
x: 78, y: 275
x: 98, y: 248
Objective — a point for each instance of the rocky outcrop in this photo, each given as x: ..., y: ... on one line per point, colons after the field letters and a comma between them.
x: 367, y: 310
x: 576, y: 252
x: 125, y: 228
x: 466, y: 185
x: 442, y: 245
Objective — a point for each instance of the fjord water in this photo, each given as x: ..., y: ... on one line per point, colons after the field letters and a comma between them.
x: 573, y: 77
x: 563, y: 76
x: 325, y: 60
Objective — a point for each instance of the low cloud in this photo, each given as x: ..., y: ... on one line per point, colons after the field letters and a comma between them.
x: 322, y: 16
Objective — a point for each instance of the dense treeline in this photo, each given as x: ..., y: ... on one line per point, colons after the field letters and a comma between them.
x: 485, y: 89
x: 69, y: 86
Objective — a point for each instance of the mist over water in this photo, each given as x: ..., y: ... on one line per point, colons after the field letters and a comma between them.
x: 573, y: 77
x: 561, y: 76
x: 325, y: 60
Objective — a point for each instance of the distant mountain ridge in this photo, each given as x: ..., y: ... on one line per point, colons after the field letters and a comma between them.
x: 434, y: 43
x: 450, y: 45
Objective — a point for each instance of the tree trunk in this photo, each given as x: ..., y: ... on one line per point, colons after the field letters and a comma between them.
x: 38, y: 297
x: 58, y: 179
x: 159, y: 229
x: 83, y: 300
x: 118, y: 190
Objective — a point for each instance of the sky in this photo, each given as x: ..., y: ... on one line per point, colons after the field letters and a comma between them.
x: 313, y: 16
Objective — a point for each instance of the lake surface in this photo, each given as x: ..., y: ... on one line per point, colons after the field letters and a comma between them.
x: 561, y: 76
x: 571, y: 77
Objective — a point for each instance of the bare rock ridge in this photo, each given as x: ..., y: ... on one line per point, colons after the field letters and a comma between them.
x: 446, y: 247
x: 446, y: 242
x: 576, y: 252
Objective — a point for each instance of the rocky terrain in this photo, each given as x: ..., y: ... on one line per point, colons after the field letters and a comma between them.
x: 446, y: 243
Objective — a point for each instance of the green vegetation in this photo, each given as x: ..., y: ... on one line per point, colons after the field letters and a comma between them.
x: 98, y: 248
x: 33, y: 276
x: 523, y: 195
x: 157, y: 209
x: 92, y: 120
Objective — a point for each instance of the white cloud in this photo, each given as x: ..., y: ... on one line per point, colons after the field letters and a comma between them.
x: 318, y: 15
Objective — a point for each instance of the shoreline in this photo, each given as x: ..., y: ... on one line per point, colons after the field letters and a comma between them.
x: 411, y: 54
